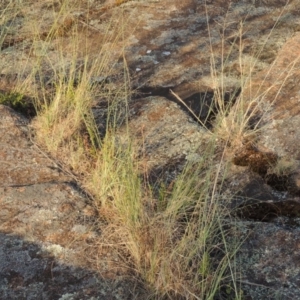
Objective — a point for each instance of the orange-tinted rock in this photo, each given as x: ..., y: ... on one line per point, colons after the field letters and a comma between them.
x: 275, y: 96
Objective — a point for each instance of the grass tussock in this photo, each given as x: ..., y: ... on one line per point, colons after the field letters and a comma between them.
x: 176, y: 241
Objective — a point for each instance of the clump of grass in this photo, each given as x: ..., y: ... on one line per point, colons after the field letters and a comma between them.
x: 239, y: 120
x: 68, y: 116
x: 183, y: 239
x: 175, y: 247
x: 284, y: 166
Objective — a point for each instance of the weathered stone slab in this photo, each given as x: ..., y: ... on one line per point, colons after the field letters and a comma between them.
x: 21, y: 163
x: 269, y: 259
x: 167, y: 43
x: 164, y: 132
x: 47, y: 227
x: 275, y: 97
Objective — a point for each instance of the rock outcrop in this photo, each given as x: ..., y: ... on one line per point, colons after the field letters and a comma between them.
x: 47, y: 226
x: 269, y: 256
x: 201, y: 50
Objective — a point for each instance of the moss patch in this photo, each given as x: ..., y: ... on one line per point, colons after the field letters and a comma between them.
x: 18, y: 102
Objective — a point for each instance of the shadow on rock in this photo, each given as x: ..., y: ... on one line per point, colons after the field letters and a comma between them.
x: 28, y: 271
